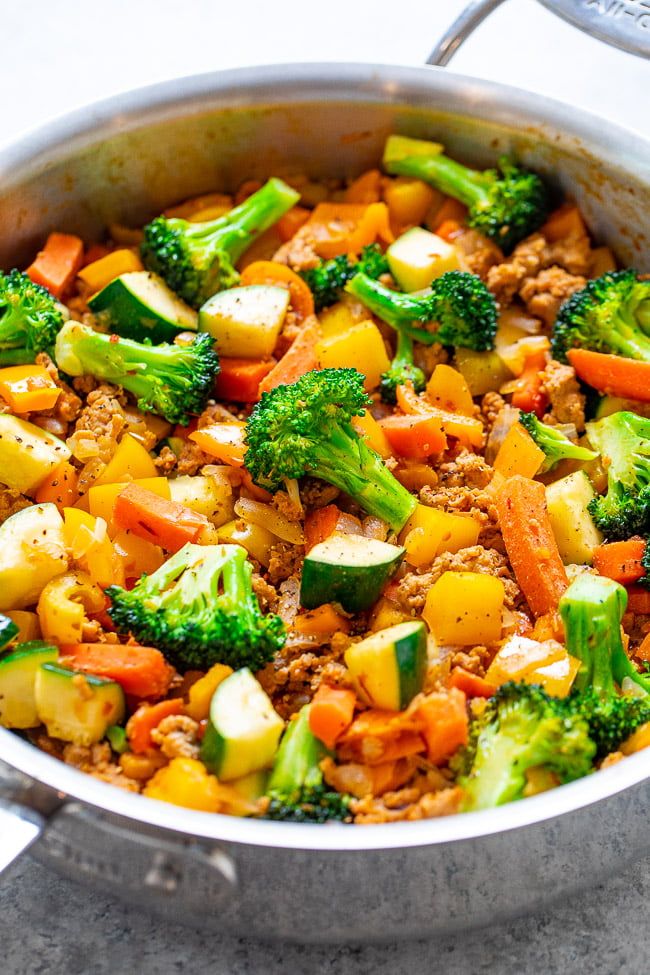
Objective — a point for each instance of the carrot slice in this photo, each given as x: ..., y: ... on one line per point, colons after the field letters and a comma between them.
x: 638, y: 600
x: 331, y: 712
x: 60, y: 487
x: 445, y: 723
x: 56, y: 266
x: 289, y: 225
x: 146, y: 718
x: 321, y: 621
x: 165, y: 523
x: 416, y: 437
x: 270, y: 272
x: 299, y: 359
x: 320, y: 524
x: 471, y: 684
x: 239, y: 379
x: 612, y: 374
x: 530, y: 543
x: 450, y: 210
x: 621, y: 561
x: 529, y: 395
x: 141, y: 671
x: 377, y: 736
x: 449, y: 229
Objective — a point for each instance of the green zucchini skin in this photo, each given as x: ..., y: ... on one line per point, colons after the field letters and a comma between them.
x: 411, y: 659
x: 140, y: 306
x: 17, y: 680
x: 348, y: 569
x: 389, y: 666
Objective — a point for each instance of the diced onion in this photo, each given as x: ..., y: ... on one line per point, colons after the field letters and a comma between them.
x: 263, y: 514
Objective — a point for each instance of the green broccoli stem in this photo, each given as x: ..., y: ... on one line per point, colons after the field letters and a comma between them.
x: 447, y: 175
x: 296, y: 765
x: 237, y: 229
x: 396, y: 309
x: 591, y: 610
x: 344, y: 460
x: 625, y: 339
x: 15, y: 357
x: 403, y: 351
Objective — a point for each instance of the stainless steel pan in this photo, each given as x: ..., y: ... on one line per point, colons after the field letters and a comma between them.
x: 126, y: 158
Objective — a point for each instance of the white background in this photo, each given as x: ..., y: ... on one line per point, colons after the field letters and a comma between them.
x: 58, y: 54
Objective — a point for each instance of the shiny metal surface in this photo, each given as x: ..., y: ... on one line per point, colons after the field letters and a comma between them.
x: 19, y: 828
x: 127, y: 158
x: 622, y: 23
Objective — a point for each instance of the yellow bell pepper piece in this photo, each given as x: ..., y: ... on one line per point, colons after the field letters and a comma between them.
x: 518, y: 454
x: 130, y: 462
x: 640, y: 739
x: 556, y: 678
x: 257, y: 540
x: 188, y: 209
x: 465, y: 608
x: 368, y: 428
x: 100, y: 273
x: 430, y: 531
x: 340, y: 317
x: 448, y: 390
x: 185, y: 782
x: 209, y: 213
x: 386, y: 614
x: 137, y: 554
x: 101, y: 500
x: 63, y: 606
x: 91, y: 548
x: 28, y: 625
x: 519, y: 655
x: 27, y: 388
x: 202, y: 691
x: 408, y: 201
x: 361, y: 347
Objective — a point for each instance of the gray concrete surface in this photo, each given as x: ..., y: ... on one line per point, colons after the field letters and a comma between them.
x: 49, y: 926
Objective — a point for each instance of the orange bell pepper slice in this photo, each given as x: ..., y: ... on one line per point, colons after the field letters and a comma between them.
x: 28, y: 388
x: 270, y: 272
x: 165, y: 523
x: 225, y: 441
x: 346, y: 228
x: 146, y: 718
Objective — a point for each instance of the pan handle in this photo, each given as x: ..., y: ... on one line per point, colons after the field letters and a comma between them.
x: 465, y: 24
x: 19, y: 828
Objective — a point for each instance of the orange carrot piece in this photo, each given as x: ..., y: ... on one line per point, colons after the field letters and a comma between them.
x: 224, y: 441
x: 239, y: 379
x: 449, y: 229
x: 529, y: 396
x: 289, y: 225
x: 416, y: 437
x: 566, y: 221
x: 299, y: 359
x: 530, y: 543
x: 331, y: 712
x: 612, y: 374
x: 247, y: 188
x: 146, y: 718
x: 320, y: 524
x: 141, y: 671
x: 165, y: 523
x: 467, y: 429
x: 638, y: 600
x: 56, y: 266
x: 365, y: 188
x: 346, y: 228
x: 446, y: 723
x: 60, y: 487
x: 270, y: 272
x: 95, y: 253
x: 27, y: 388
x: 621, y: 561
x: 449, y: 210
x: 471, y: 684
x: 381, y: 736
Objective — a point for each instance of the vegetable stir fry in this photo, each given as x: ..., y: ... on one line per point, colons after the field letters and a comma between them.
x: 329, y: 501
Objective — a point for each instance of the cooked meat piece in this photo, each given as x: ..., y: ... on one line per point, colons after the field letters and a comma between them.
x: 286, y: 560
x: 166, y: 460
x: 411, y: 591
x: 97, y: 760
x: 299, y: 252
x: 527, y: 259
x: 491, y: 405
x: 407, y: 805
x: 544, y: 293
x: 479, y: 252
x: 563, y: 390
x: 427, y: 357
x: 177, y: 736
x: 11, y: 501
x: 266, y: 594
x: 96, y: 432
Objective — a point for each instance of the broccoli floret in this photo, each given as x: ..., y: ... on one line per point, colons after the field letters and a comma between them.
x: 554, y: 443
x: 296, y: 789
x: 198, y: 259
x: 610, y: 314
x: 305, y: 428
x: 505, y: 204
x: 29, y: 319
x: 199, y: 608
x: 330, y: 277
x: 173, y: 380
x: 458, y: 310
x: 623, y: 441
x: 591, y: 610
x: 521, y: 728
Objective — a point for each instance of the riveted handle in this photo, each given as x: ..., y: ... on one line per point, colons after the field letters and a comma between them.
x: 19, y: 828
x: 622, y: 23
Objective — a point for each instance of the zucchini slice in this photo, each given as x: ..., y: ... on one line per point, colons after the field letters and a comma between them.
x: 243, y: 729
x: 17, y: 679
x: 139, y: 305
x: 348, y: 569
x: 389, y: 667
x: 77, y: 707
